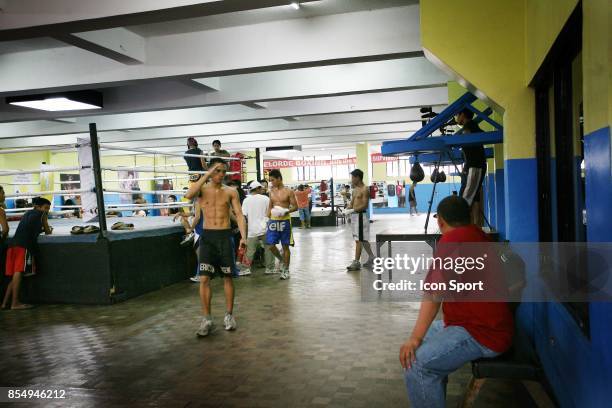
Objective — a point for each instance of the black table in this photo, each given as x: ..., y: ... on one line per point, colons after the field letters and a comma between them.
x: 388, y: 236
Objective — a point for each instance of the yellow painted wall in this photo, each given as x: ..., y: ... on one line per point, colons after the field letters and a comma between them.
x: 21, y: 161
x: 597, y: 63
x: 544, y: 19
x: 362, y: 151
x: 489, y: 54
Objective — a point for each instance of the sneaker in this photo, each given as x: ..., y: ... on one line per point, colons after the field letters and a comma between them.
x: 284, y: 274
x: 270, y: 271
x: 368, y: 263
x: 244, y: 272
x: 187, y: 240
x: 205, y: 327
x: 229, y: 322
x: 195, y: 279
x: 354, y: 266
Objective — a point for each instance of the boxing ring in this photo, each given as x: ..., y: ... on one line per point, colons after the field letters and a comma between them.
x: 106, y: 266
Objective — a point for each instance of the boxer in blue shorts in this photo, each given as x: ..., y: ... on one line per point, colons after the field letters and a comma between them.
x: 282, y: 204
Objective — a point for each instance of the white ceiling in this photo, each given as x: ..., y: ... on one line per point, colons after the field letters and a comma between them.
x: 325, y: 77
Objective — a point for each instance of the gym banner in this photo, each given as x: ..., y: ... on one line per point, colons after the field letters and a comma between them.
x: 379, y: 158
x: 283, y: 164
x: 88, y: 200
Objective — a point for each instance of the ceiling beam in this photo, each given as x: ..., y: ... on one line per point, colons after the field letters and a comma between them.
x: 294, y: 43
x: 118, y: 44
x: 126, y: 138
x: 30, y: 129
x: 39, y: 18
x: 315, y: 82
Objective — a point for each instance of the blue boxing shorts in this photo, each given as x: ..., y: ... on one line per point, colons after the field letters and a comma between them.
x: 279, y: 230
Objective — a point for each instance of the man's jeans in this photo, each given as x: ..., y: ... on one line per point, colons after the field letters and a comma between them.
x: 444, y: 350
x: 304, y: 214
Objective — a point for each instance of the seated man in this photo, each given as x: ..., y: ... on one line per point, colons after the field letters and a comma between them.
x: 20, y: 255
x: 140, y: 212
x: 469, y: 329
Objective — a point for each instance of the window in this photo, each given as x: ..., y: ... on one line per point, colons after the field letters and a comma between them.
x: 318, y: 173
x: 393, y: 169
x: 404, y: 167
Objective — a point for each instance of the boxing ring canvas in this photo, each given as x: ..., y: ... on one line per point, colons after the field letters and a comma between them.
x: 89, y: 269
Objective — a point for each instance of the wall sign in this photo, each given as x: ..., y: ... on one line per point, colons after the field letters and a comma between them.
x: 283, y: 164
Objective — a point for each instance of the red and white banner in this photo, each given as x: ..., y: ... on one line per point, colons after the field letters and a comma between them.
x: 379, y: 158
x: 283, y: 164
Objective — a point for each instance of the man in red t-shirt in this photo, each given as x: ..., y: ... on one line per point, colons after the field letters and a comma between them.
x: 469, y: 329
x: 301, y: 197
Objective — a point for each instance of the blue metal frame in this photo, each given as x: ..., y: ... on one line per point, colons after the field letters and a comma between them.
x: 443, y: 117
x: 456, y: 157
x: 440, y: 143
x: 421, y: 141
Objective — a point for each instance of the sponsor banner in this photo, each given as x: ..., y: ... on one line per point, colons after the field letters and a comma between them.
x: 379, y: 158
x: 23, y: 179
x: 282, y: 164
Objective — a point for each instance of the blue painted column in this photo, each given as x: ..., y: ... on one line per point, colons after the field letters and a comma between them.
x: 521, y: 200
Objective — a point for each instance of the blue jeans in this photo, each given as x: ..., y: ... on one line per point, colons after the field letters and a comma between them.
x: 304, y: 214
x: 444, y: 350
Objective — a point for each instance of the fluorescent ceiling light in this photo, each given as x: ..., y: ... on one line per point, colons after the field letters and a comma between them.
x: 56, y: 104
x: 66, y: 101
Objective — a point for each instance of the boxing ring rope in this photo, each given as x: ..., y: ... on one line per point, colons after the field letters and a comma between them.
x: 137, y: 179
x: 47, y: 170
x: 151, y: 169
x: 28, y: 183
x: 39, y: 148
x: 97, y: 169
x: 146, y: 206
x: 51, y: 192
x: 150, y: 151
x: 152, y: 192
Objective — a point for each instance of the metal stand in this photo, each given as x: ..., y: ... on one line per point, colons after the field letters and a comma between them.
x: 258, y: 164
x: 95, y: 154
x: 433, y: 192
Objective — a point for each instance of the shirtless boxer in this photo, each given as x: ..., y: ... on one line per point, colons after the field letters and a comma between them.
x: 216, y: 249
x: 282, y: 204
x: 359, y: 220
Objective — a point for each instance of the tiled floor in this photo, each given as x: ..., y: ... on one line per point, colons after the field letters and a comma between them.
x: 309, y: 341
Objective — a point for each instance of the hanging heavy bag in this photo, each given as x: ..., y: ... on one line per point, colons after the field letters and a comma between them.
x: 441, y: 177
x: 416, y: 173
x: 435, y: 177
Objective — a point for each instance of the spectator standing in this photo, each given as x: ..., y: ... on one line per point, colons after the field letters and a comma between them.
x: 255, y: 209
x: 20, y: 258
x: 301, y: 196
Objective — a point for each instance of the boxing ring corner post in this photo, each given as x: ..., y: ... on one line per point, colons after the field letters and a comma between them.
x: 97, y: 171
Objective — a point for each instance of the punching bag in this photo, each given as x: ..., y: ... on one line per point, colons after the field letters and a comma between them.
x: 435, y: 176
x: 441, y: 177
x: 416, y: 173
